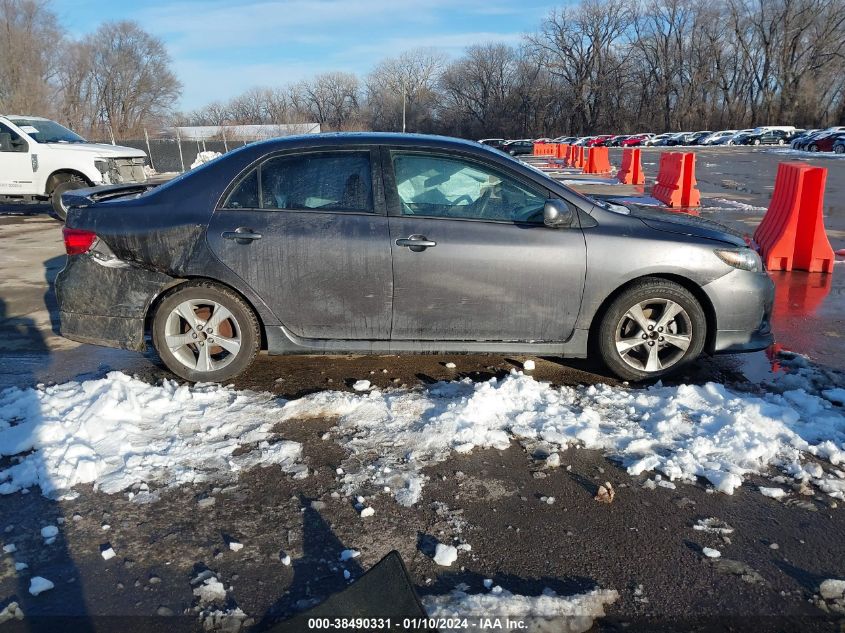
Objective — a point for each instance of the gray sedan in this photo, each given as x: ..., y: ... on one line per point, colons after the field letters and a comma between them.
x: 389, y: 243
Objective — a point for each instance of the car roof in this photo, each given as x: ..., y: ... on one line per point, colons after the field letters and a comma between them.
x: 367, y: 138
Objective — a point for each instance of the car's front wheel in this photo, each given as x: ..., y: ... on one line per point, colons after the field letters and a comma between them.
x: 651, y: 329
x: 839, y: 149
x: 204, y: 332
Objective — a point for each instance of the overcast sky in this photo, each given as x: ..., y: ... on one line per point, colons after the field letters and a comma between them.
x: 221, y: 48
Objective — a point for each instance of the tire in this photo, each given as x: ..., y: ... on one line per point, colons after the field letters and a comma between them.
x: 781, y: 141
x: 756, y: 141
x: 620, y: 329
x: 813, y: 148
x: 839, y: 149
x: 190, y: 359
x: 71, y: 183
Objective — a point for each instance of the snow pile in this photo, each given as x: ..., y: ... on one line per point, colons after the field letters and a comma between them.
x: 118, y: 431
x: 736, y: 204
x: 684, y: 431
x: 205, y: 157
x: 546, y: 612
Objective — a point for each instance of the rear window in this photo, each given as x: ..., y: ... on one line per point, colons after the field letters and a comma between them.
x: 336, y: 181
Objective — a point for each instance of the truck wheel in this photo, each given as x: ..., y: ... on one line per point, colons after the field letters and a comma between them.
x: 71, y: 183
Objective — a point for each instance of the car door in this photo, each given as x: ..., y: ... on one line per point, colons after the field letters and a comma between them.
x: 308, y: 232
x: 16, y: 169
x: 472, y: 260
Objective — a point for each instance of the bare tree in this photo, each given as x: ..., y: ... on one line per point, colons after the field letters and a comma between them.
x: 30, y: 43
x: 132, y: 75
x: 331, y: 99
x: 409, y: 80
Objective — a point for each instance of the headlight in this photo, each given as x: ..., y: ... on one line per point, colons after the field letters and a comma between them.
x: 742, y: 258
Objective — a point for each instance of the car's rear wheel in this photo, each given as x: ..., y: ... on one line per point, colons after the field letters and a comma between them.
x: 839, y: 149
x: 204, y: 332
x: 756, y: 141
x: 69, y: 184
x: 814, y: 148
x: 781, y: 141
x: 653, y: 328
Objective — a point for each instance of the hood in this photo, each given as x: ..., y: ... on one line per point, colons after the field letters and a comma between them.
x: 683, y: 224
x: 98, y: 149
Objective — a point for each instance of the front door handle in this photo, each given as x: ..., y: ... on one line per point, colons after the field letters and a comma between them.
x: 242, y: 235
x: 416, y: 243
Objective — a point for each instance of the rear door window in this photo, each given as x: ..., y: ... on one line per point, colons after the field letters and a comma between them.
x: 325, y: 181
x: 322, y: 182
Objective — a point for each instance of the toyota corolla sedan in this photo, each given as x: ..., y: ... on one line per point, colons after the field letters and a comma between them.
x: 389, y: 243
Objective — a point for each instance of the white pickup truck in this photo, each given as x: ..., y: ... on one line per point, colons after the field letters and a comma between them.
x: 40, y: 159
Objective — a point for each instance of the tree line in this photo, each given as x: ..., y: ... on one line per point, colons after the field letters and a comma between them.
x: 589, y: 67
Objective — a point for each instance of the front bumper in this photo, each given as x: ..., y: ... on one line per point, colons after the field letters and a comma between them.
x: 104, y: 305
x: 742, y: 302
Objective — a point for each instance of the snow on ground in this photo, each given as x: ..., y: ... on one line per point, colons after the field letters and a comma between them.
x: 683, y: 432
x: 546, y: 612
x: 803, y: 154
x: 735, y: 204
x: 118, y: 431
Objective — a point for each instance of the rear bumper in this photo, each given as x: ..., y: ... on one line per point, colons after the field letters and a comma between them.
x: 122, y: 332
x: 742, y: 302
x: 103, y: 305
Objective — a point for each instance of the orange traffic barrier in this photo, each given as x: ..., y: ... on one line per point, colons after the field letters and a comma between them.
x: 540, y: 149
x: 597, y: 161
x: 792, y: 233
x: 568, y: 155
x: 561, y: 150
x: 577, y: 159
x: 631, y: 172
x: 676, y: 184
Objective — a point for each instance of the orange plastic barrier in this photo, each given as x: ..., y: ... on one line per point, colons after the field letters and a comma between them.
x: 631, y: 172
x: 577, y: 159
x: 567, y: 158
x: 792, y: 233
x: 597, y: 161
x: 561, y: 150
x: 676, y: 184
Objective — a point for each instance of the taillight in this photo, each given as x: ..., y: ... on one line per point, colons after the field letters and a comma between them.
x: 78, y: 241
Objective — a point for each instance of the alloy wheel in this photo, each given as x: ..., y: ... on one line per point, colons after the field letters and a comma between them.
x: 653, y: 335
x: 202, y: 335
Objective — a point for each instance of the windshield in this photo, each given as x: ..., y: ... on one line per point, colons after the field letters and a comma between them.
x: 44, y: 131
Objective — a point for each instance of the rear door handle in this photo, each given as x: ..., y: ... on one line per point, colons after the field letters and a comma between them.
x: 416, y: 243
x: 242, y: 235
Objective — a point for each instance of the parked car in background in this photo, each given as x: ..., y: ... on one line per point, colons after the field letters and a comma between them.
x: 732, y: 140
x: 584, y: 140
x: 672, y: 140
x: 804, y: 142
x: 616, y: 141
x: 696, y: 137
x: 518, y: 147
x: 568, y: 140
x: 265, y: 248
x: 656, y: 140
x: 598, y: 141
x: 493, y: 142
x: 763, y: 137
x: 635, y: 140
x: 715, y: 138
x: 825, y: 143
x: 800, y: 139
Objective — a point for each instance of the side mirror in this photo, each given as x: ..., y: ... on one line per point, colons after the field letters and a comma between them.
x: 557, y: 214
